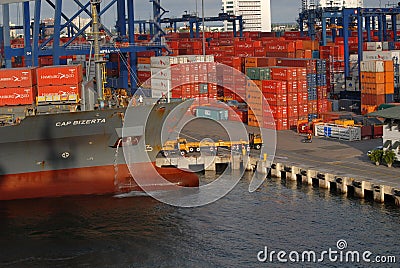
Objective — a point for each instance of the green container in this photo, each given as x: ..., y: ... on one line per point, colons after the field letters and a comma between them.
x: 265, y: 73
x: 203, y: 88
x: 253, y: 73
x: 259, y: 73
x: 212, y: 113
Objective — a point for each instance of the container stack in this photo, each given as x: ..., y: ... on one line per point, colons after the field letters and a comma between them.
x: 189, y: 76
x: 144, y: 68
x: 17, y: 86
x: 57, y: 84
x: 377, y: 84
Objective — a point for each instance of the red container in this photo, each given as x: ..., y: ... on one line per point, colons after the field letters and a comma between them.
x: 303, y: 110
x: 17, y: 95
x: 283, y: 73
x: 292, y: 122
x: 277, y: 111
x: 260, y: 52
x: 276, y: 99
x: 59, y: 75
x: 143, y: 76
x: 370, y: 99
x: 302, y: 86
x: 312, y: 107
x: 176, y: 92
x: 17, y: 77
x: 281, y: 124
x: 322, y: 92
x: 281, y: 46
x: 291, y: 86
x: 274, y: 86
x: 292, y: 99
x: 60, y: 90
x: 293, y: 111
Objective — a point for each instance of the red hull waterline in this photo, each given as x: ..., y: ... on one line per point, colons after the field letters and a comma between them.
x: 93, y: 181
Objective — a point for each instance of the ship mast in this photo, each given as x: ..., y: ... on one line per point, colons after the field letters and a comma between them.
x: 98, y: 59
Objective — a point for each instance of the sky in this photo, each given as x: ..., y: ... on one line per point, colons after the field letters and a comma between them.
x: 281, y: 10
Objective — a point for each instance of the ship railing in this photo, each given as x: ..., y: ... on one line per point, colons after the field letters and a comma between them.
x: 57, y: 99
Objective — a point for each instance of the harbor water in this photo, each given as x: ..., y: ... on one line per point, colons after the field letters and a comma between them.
x: 236, y: 231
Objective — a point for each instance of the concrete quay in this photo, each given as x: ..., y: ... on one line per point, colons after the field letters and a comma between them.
x: 337, y: 165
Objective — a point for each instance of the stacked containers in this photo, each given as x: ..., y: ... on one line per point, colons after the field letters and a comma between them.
x: 59, y: 83
x: 17, y: 86
x: 144, y: 68
x: 377, y: 84
x: 183, y: 76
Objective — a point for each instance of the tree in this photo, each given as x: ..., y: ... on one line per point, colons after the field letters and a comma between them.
x: 389, y: 156
x: 376, y: 156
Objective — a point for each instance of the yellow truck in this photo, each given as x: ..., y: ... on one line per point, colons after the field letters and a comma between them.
x: 184, y: 147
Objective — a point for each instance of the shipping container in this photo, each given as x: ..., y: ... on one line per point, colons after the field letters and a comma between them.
x: 212, y: 113
x: 59, y: 75
x: 17, y: 77
x: 17, y: 95
x: 61, y: 90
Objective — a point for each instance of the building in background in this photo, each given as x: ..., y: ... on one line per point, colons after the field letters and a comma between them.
x: 256, y: 14
x: 341, y: 3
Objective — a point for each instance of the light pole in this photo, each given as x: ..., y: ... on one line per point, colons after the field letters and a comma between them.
x: 204, y: 37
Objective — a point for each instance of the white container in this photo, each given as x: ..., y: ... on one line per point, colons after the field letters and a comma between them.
x: 161, y: 73
x: 381, y: 55
x: 385, y: 46
x: 209, y: 58
x: 374, y: 66
x: 163, y: 61
x: 144, y: 67
x: 374, y: 46
x: 156, y: 94
x: 160, y: 84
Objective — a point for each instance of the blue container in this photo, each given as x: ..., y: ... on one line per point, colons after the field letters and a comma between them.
x: 391, y: 46
x: 389, y: 98
x: 321, y: 66
x: 312, y: 116
x: 315, y: 54
x: 63, y: 61
x: 321, y: 79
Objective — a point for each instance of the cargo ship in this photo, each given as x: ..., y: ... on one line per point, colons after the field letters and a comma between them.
x: 81, y: 153
x: 60, y: 137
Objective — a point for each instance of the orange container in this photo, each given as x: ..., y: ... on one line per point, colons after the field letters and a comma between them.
x: 377, y: 78
x: 388, y: 65
x: 60, y: 90
x: 256, y: 62
x: 366, y: 109
x: 17, y: 95
x: 59, y: 75
x: 373, y: 89
x: 389, y: 88
x: 143, y: 60
x: 17, y: 77
x: 252, y: 120
x: 389, y: 77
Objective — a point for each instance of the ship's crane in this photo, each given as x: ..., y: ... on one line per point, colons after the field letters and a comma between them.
x: 35, y: 45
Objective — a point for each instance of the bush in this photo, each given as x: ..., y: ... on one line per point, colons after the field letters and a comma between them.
x: 389, y: 156
x: 376, y: 156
